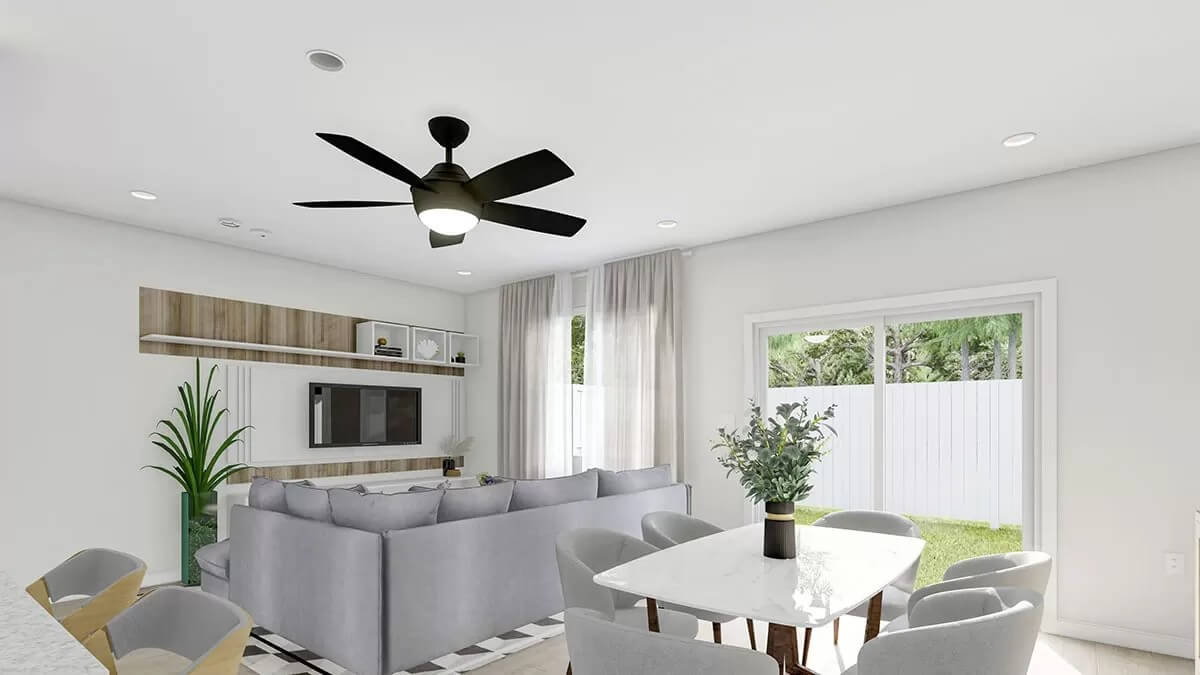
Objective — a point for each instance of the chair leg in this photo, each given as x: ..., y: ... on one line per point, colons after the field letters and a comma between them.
x: 836, y: 624
x: 807, y: 640
x: 716, y: 632
x: 750, y: 629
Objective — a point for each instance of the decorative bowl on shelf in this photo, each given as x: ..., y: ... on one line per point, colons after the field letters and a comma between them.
x: 427, y: 349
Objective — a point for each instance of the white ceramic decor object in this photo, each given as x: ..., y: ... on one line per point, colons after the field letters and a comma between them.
x: 427, y: 349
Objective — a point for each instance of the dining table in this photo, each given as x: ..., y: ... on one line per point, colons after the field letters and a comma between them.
x: 834, y: 572
x: 33, y: 643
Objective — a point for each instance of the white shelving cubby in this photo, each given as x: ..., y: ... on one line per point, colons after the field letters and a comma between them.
x: 368, y: 334
x: 420, y: 339
x: 468, y: 345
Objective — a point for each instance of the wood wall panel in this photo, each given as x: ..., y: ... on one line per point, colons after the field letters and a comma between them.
x: 333, y: 469
x: 202, y: 316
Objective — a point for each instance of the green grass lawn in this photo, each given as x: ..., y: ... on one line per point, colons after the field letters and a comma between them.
x: 946, y: 541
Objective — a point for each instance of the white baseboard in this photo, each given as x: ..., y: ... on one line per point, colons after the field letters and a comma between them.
x: 160, y: 578
x: 1160, y: 643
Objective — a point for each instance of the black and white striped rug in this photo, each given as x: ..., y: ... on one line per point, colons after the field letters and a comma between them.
x: 270, y: 654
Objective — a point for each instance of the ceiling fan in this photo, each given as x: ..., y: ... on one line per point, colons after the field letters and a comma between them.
x: 450, y: 202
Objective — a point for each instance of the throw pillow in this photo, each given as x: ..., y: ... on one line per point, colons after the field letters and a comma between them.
x: 307, y: 501
x: 266, y: 493
x: 377, y: 512
x: 530, y: 494
x: 473, y: 502
x: 633, y: 480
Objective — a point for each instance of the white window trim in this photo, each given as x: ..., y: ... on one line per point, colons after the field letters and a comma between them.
x: 1041, y: 371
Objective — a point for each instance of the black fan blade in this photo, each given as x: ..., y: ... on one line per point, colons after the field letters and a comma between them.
x: 347, y: 204
x: 374, y: 159
x: 520, y: 175
x: 529, y: 218
x: 439, y: 240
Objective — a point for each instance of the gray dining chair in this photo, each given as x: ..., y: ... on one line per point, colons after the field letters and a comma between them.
x: 982, y: 631
x: 600, y: 647
x: 665, y: 529
x: 200, y: 633
x: 1020, y: 569
x: 109, y: 579
x: 585, y: 552
x: 895, y: 596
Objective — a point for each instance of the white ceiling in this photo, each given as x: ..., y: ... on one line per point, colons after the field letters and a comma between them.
x: 730, y: 117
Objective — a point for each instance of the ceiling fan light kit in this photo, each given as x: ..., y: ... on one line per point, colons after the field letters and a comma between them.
x: 450, y: 202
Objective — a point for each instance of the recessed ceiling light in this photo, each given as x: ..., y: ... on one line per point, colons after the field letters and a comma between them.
x: 260, y: 233
x: 326, y: 60
x: 142, y: 194
x: 667, y: 224
x: 464, y: 273
x: 1017, y: 140
x: 231, y: 223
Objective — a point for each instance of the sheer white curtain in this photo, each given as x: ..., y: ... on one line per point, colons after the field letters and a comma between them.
x: 632, y: 364
x: 535, y: 377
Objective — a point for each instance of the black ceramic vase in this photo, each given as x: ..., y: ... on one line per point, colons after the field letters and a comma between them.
x: 447, y: 465
x: 779, y: 531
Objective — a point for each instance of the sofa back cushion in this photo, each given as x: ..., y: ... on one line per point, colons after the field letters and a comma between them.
x: 473, y: 502
x: 267, y: 493
x: 530, y: 494
x: 633, y: 480
x: 376, y: 512
x: 307, y: 501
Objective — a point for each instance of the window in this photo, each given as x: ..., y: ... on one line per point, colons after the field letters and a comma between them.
x: 577, y: 353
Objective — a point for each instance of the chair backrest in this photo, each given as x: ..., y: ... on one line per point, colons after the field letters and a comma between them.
x: 597, y: 646
x: 1020, y: 569
x: 665, y: 529
x: 585, y: 552
x: 983, y: 631
x: 184, y: 621
x: 89, y: 572
x: 880, y: 522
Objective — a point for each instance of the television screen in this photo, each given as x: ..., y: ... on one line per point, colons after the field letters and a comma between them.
x: 344, y: 415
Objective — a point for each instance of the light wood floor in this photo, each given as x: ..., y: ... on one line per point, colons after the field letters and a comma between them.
x: 1053, y: 655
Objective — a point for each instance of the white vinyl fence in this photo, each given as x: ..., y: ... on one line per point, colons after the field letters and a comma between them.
x: 951, y: 449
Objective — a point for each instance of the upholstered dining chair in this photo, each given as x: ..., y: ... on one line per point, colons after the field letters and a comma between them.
x: 110, y: 580
x: 1020, y: 569
x: 186, y: 629
x: 600, y: 647
x: 983, y: 631
x: 665, y: 529
x: 895, y: 596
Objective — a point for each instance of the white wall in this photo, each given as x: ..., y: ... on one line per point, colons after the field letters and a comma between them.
x: 78, y: 399
x: 483, y: 383
x: 1122, y: 240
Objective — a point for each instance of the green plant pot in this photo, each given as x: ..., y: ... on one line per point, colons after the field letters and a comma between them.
x: 198, y: 528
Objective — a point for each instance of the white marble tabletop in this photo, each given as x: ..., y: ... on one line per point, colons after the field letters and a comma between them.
x: 33, y: 643
x: 834, y: 572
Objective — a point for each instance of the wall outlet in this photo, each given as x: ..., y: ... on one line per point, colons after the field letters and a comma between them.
x: 1173, y: 563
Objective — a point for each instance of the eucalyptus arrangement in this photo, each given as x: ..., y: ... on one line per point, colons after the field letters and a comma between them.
x: 189, y: 440
x: 774, y: 458
x: 451, y: 447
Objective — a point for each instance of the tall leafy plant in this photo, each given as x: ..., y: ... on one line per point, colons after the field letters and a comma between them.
x: 189, y: 438
x: 774, y: 457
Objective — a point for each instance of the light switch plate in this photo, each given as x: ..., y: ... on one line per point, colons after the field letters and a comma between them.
x: 1173, y: 563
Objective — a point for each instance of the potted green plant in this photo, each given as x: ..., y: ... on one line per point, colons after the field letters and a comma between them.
x: 460, y: 357
x: 774, y: 458
x: 188, y: 440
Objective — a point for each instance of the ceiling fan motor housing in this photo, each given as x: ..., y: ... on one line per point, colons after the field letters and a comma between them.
x: 448, y: 179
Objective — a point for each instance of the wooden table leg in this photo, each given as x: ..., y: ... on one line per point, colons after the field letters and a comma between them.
x: 874, y: 614
x: 782, y: 646
x: 652, y: 615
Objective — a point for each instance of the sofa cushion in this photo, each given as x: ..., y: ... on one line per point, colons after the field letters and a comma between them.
x: 267, y: 493
x: 633, y: 480
x: 376, y: 512
x: 308, y: 501
x: 473, y: 502
x: 530, y: 494
x: 214, y: 559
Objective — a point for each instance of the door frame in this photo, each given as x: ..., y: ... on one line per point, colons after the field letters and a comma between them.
x: 1039, y: 330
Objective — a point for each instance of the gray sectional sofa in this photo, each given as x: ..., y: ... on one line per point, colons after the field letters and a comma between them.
x: 377, y: 599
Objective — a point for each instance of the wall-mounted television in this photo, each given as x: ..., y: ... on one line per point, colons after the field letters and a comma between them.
x: 348, y: 415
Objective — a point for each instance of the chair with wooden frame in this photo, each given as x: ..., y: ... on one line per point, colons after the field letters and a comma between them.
x: 111, y: 579
x: 208, y: 632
